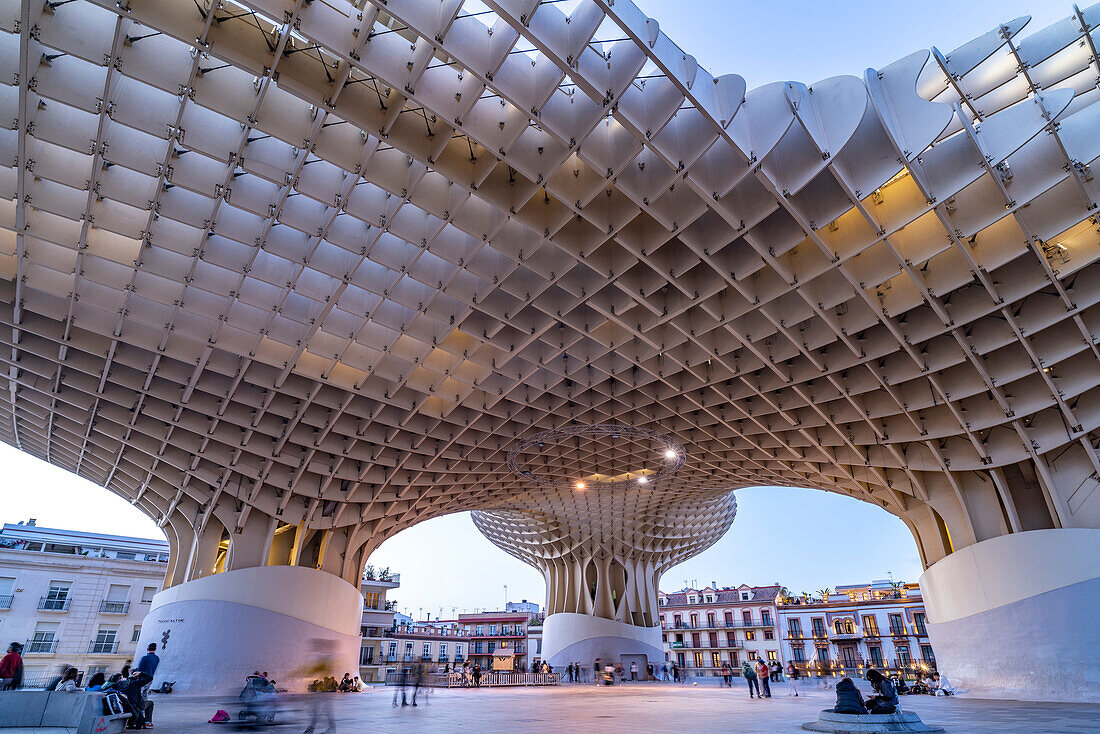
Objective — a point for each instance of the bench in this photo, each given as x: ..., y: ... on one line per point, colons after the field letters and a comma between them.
x: 900, y: 721
x: 51, y: 712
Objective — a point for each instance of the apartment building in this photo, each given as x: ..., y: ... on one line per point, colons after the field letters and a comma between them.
x: 378, y: 619
x: 702, y: 629
x: 881, y: 624
x: 75, y: 598
x: 493, y: 632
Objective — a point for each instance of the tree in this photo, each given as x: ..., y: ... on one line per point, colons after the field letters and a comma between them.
x: 784, y: 596
x: 898, y: 587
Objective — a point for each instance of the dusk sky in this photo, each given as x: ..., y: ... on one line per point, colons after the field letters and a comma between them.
x: 803, y: 539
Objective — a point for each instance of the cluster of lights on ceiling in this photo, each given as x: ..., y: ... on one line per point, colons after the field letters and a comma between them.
x: 643, y: 479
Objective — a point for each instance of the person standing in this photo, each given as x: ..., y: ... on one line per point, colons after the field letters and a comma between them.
x: 762, y: 673
x: 147, y: 666
x: 749, y: 673
x: 633, y: 671
x: 11, y: 668
x: 792, y: 679
x: 596, y: 671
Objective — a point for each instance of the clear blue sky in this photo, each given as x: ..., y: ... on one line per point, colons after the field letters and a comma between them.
x: 803, y: 539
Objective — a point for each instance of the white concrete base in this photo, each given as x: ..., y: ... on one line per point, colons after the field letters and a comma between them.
x: 212, y: 632
x: 1015, y: 616
x: 569, y: 638
x: 901, y: 721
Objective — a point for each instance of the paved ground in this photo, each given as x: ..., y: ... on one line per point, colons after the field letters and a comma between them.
x: 641, y: 707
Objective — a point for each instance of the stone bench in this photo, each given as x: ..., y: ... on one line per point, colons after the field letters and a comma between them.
x: 900, y: 721
x: 50, y: 711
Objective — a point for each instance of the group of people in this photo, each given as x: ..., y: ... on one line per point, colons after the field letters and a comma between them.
x: 850, y: 701
x: 759, y: 675
x: 928, y: 683
x: 328, y: 684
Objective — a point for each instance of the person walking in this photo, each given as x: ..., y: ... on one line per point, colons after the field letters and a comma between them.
x: 596, y: 671
x: 633, y: 671
x: 762, y: 673
x: 11, y: 668
x: 402, y: 681
x: 749, y: 673
x: 792, y: 679
x: 675, y: 673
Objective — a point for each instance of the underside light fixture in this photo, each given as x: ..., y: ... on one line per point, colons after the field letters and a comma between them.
x: 670, y: 454
x: 643, y: 480
x: 580, y: 485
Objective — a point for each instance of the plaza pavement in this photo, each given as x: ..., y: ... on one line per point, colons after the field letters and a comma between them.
x: 639, y: 707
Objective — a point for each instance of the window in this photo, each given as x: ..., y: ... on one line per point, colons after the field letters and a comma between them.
x: 822, y: 654
x: 750, y: 634
x: 729, y: 619
x: 794, y: 628
x: 693, y: 599
x: 695, y: 640
x: 136, y: 635
x: 370, y: 600
x: 746, y: 617
x: 731, y: 639
x: 117, y: 601
x: 480, y: 629
x: 57, y: 598
x: 492, y: 646
x: 903, y: 655
x: 715, y: 660
x: 870, y: 625
x: 493, y: 629
x: 442, y: 651
x: 126, y: 555
x: 773, y: 655
x: 662, y: 620
x: 393, y: 651
x: 918, y: 623
x: 458, y: 651
x: 695, y: 620
x: 477, y: 648
x: 93, y: 669
x: 45, y: 637
x: 712, y: 638
x: 678, y: 621
x: 408, y: 651
x: 744, y: 596
x: 766, y: 617
x: 661, y: 601
x: 105, y: 642
x: 147, y: 594
x: 876, y: 656
x: 426, y: 653
x: 927, y: 655
x: 710, y: 598
x: 366, y: 655
x: 710, y: 619
x: 818, y: 625
x: 896, y: 626
x: 698, y: 656
x: 733, y: 659
x: 799, y: 654
x: 839, y: 627
x: 769, y: 634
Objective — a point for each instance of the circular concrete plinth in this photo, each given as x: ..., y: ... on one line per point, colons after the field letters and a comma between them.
x: 902, y: 721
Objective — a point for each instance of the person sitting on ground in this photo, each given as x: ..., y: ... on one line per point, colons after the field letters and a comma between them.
x: 345, y: 684
x: 357, y: 685
x: 940, y: 686
x: 67, y: 684
x: 848, y: 698
x: 920, y: 686
x: 141, y: 708
x: 886, y: 700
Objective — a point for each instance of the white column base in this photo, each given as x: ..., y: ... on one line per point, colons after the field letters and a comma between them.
x: 1015, y: 616
x: 581, y: 638
x: 214, y: 631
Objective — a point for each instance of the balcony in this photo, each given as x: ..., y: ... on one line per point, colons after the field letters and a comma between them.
x: 443, y: 659
x: 870, y: 632
x: 426, y: 658
x: 721, y: 625
x: 5, y: 600
x: 855, y: 635
x: 898, y: 632
x: 50, y: 604
x: 459, y: 659
x: 109, y: 647
x: 108, y: 606
x: 41, y: 647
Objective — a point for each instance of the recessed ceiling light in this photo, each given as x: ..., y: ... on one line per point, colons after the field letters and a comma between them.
x: 643, y: 480
x: 670, y: 454
x: 580, y: 485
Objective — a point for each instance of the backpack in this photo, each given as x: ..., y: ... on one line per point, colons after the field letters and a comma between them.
x: 112, y: 704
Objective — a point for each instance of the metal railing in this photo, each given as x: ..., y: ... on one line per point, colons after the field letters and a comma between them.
x: 719, y: 625
x: 110, y: 606
x: 40, y: 646
x: 493, y: 678
x: 6, y: 600
x: 103, y: 648
x: 53, y: 605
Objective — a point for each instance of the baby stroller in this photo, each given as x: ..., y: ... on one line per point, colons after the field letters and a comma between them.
x: 258, y: 702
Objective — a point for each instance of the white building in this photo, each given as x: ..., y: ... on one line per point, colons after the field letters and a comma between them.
x: 378, y: 619
x: 75, y: 598
x: 880, y: 625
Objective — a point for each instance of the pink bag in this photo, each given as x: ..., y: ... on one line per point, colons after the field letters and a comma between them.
x: 220, y: 717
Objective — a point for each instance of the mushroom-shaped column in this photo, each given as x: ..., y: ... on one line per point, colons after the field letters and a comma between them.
x: 606, y: 514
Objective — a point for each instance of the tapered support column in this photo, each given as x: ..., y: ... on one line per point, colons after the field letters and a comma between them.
x: 1015, y: 616
x: 213, y: 631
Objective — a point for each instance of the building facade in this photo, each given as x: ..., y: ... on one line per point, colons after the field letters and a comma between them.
x: 491, y: 632
x: 439, y: 645
x: 75, y: 598
x: 702, y: 629
x: 378, y: 618
x: 881, y: 625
